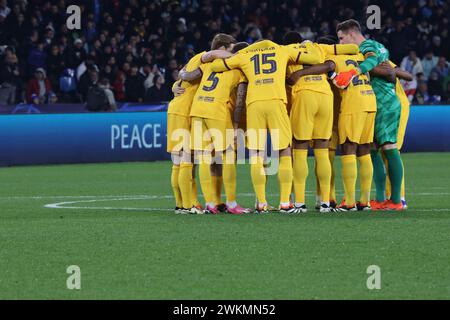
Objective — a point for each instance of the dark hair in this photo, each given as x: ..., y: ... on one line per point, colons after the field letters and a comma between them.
x: 327, y: 40
x: 222, y: 39
x: 239, y: 46
x: 292, y: 37
x: 348, y: 25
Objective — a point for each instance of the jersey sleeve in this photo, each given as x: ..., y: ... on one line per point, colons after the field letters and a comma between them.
x: 371, y: 56
x: 220, y: 65
x: 309, y: 54
x: 338, y: 49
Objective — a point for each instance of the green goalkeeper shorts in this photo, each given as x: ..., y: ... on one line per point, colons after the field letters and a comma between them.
x: 387, y: 119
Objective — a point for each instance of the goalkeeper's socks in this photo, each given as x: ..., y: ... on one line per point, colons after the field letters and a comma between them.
x: 349, y: 175
x: 258, y: 175
x: 185, y: 184
x: 395, y: 168
x: 176, y: 186
x: 300, y: 174
x: 323, y: 173
x: 365, y: 177
x: 285, y: 179
x: 379, y: 175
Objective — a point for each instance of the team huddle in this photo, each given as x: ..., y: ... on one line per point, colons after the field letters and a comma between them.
x: 321, y: 95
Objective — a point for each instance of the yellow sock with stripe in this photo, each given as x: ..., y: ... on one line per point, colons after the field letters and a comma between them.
x: 204, y: 169
x: 285, y: 179
x: 176, y: 186
x: 258, y: 178
x: 323, y: 173
x: 300, y: 174
x: 229, y: 176
x: 349, y: 175
x: 185, y: 184
x: 365, y: 177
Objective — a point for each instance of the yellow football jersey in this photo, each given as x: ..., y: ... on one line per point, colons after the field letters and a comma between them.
x: 182, y: 104
x: 213, y: 98
x: 404, y: 101
x: 359, y: 95
x: 319, y: 83
x: 264, y: 65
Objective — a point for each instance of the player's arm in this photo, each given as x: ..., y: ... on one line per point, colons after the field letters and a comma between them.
x: 327, y: 67
x: 310, y: 55
x: 215, y: 54
x: 402, y: 74
x: 240, y: 104
x: 190, y: 76
x: 384, y: 70
x: 343, y: 79
x: 221, y: 65
x: 177, y: 89
x: 338, y: 49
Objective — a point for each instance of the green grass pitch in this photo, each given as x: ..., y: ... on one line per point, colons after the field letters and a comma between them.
x: 129, y: 246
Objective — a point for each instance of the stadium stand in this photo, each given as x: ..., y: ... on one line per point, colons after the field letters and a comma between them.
x: 139, y: 46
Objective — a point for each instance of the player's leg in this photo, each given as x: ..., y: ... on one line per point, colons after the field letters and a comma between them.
x: 194, y: 193
x: 281, y: 136
x: 256, y: 138
x: 349, y: 175
x: 229, y: 171
x: 176, y: 158
x: 216, y: 183
x: 323, y: 126
x: 332, y: 155
x: 178, y: 144
x: 404, y: 115
x: 304, y: 108
x: 365, y: 161
x: 388, y: 141
x: 202, y: 146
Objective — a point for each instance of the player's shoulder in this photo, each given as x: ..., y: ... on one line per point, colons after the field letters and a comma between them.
x: 195, y: 61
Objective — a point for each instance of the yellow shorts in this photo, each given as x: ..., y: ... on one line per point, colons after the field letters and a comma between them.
x: 268, y: 115
x: 178, y: 131
x: 312, y: 115
x: 211, y: 134
x: 357, y: 127
x: 404, y: 115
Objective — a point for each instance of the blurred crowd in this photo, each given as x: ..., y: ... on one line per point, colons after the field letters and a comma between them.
x: 134, y: 48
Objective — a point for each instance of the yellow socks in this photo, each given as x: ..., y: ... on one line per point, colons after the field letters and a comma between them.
x: 216, y: 182
x: 365, y: 177
x: 176, y: 186
x: 323, y: 173
x: 229, y: 175
x: 332, y: 154
x: 349, y: 175
x: 194, y: 193
x: 185, y: 184
x: 300, y: 174
x: 258, y: 178
x: 285, y: 179
x: 205, y: 180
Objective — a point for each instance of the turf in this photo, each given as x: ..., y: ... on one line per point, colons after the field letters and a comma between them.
x: 127, y: 250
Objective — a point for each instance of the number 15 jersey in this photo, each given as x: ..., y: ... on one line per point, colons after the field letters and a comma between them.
x: 264, y: 64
